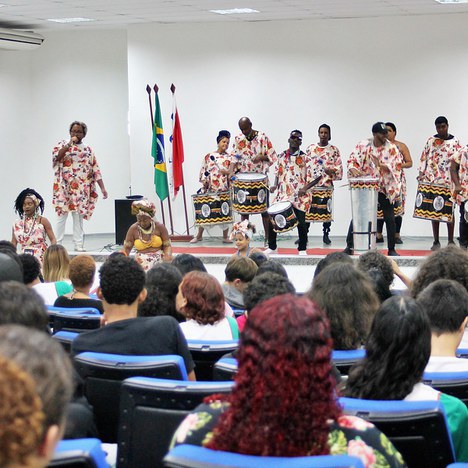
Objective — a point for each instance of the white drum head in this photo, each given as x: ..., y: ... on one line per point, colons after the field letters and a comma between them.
x: 261, y: 195
x: 250, y: 176
x: 419, y: 199
x: 438, y: 203
x: 279, y: 207
x: 363, y: 179
x: 280, y: 221
x: 241, y: 196
x: 205, y: 210
x: 225, y: 208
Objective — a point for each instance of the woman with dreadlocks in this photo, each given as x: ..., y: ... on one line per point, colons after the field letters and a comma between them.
x: 32, y: 229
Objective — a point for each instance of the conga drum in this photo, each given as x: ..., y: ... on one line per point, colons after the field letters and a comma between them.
x: 212, y: 208
x: 321, y: 207
x: 433, y: 203
x: 250, y: 193
x: 282, y: 216
x: 364, y: 196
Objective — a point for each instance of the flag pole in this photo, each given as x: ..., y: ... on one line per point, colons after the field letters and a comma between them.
x: 156, y: 89
x: 148, y: 90
x: 187, y: 229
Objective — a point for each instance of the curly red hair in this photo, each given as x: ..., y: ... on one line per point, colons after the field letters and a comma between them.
x: 284, y: 393
x: 204, y: 296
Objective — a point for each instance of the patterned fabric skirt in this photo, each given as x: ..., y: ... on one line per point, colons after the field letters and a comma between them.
x: 147, y: 260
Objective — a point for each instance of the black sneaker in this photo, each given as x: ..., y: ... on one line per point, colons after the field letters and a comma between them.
x: 393, y: 253
x: 326, y: 239
x: 398, y: 240
x: 379, y: 239
x: 348, y: 251
x: 435, y: 246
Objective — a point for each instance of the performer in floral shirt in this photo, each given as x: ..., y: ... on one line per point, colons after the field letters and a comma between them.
x: 378, y: 158
x: 459, y: 173
x: 214, y: 176
x: 434, y: 167
x: 328, y: 157
x: 253, y: 152
x: 293, y: 173
x: 76, y: 172
x: 283, y: 402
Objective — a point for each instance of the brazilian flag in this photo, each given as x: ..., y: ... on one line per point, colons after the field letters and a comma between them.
x: 157, y: 152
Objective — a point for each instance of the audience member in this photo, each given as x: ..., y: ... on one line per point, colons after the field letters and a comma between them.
x: 271, y: 266
x: 31, y: 270
x: 36, y: 387
x: 187, y: 263
x: 446, y: 305
x: 122, y: 288
x: 162, y: 284
x: 201, y: 300
x: 10, y: 270
x: 397, y: 352
x: 379, y: 269
x: 284, y: 402
x: 258, y: 257
x: 450, y: 262
x: 239, y: 272
x: 82, y: 271
x: 333, y: 257
x: 347, y: 297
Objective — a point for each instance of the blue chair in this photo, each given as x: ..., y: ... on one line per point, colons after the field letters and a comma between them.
x: 79, y: 453
x: 206, y: 353
x: 418, y: 429
x: 451, y: 383
x: 190, y: 456
x: 65, y: 338
x: 462, y: 352
x: 103, y: 375
x: 73, y: 320
x: 150, y: 412
x: 344, y: 360
x: 225, y: 369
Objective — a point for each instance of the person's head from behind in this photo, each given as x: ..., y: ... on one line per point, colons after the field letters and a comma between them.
x: 240, y: 271
x: 446, y: 304
x: 162, y: 284
x: 258, y: 257
x: 36, y: 388
x: 10, y: 269
x: 284, y: 352
x: 200, y: 298
x: 397, y: 350
x: 264, y: 287
x: 380, y: 271
x: 448, y: 263
x: 82, y: 271
x: 122, y: 281
x: 31, y: 269
x: 271, y: 266
x: 56, y: 263
x: 187, y: 262
x: 347, y: 297
x: 334, y: 257
x: 22, y: 306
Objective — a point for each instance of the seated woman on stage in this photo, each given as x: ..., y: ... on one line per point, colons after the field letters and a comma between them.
x: 32, y: 229
x: 201, y: 300
x: 149, y: 237
x: 397, y: 351
x: 284, y: 402
x: 82, y: 271
x: 214, y: 176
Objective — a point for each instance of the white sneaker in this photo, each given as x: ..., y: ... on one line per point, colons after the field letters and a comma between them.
x: 270, y: 252
x: 80, y: 249
x: 303, y: 253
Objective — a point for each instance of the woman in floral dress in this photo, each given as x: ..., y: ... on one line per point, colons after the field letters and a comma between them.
x: 32, y: 229
x: 284, y: 401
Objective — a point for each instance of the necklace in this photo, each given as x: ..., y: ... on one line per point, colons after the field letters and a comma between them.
x: 27, y: 232
x: 146, y: 232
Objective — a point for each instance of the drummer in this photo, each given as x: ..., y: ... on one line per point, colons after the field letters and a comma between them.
x: 253, y: 152
x: 459, y: 173
x: 326, y: 156
x: 214, y: 176
x: 293, y: 171
x: 434, y: 167
x: 377, y: 158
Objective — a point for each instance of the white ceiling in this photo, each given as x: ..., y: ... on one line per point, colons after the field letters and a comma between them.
x: 33, y: 14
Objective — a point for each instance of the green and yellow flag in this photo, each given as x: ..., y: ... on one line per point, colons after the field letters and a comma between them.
x: 157, y: 152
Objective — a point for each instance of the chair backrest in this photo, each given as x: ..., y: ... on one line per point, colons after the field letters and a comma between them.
x: 104, y: 373
x: 79, y: 453
x: 65, y: 338
x: 74, y: 320
x: 451, y: 383
x: 345, y: 359
x: 206, y: 353
x: 418, y: 429
x: 190, y: 456
x: 462, y: 352
x: 150, y: 412
x: 225, y: 369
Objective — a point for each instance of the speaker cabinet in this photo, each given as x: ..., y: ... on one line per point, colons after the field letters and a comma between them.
x: 123, y: 219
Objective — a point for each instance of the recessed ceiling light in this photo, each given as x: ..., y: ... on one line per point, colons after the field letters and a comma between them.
x: 235, y: 11
x: 451, y: 2
x: 70, y: 20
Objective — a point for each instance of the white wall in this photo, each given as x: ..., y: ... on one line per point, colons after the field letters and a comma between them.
x: 296, y: 74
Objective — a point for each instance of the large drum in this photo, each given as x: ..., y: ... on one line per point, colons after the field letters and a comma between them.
x: 250, y: 193
x: 282, y: 216
x: 321, y: 208
x: 364, y: 197
x: 433, y: 203
x: 212, y: 208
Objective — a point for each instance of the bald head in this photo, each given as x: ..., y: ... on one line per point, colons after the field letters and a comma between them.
x: 245, y: 126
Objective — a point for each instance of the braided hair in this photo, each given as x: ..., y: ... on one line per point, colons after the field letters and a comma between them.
x: 28, y: 192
